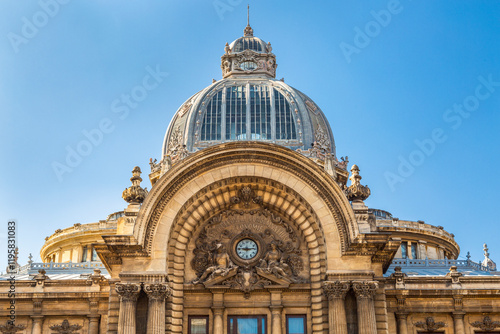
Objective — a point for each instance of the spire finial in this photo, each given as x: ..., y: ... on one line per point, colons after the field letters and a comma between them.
x: 248, y: 32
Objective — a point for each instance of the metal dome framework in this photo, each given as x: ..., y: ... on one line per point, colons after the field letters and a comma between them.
x: 258, y: 109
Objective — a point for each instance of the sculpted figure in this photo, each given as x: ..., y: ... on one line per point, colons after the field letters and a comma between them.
x: 222, y: 264
x: 273, y: 263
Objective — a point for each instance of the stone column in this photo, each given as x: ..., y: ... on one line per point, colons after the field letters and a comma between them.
x: 276, y: 319
x: 367, y: 322
x: 335, y: 292
x: 37, y: 324
x: 157, y: 293
x: 94, y: 324
x: 458, y: 321
x: 218, y: 320
x: 402, y: 324
x: 129, y: 292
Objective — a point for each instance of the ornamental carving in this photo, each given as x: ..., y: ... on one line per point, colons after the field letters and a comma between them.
x: 234, y: 63
x: 486, y: 325
x: 176, y: 150
x: 335, y: 289
x: 320, y: 147
x: 65, y: 328
x: 135, y: 194
x: 247, y: 247
x: 157, y: 291
x: 399, y: 277
x: 430, y: 325
x: 364, y: 289
x: 356, y: 191
x: 128, y: 291
x: 11, y: 328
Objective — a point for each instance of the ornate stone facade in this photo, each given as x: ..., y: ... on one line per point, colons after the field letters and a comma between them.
x: 245, y: 227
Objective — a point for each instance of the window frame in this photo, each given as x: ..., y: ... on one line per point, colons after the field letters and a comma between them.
x: 207, y: 327
x: 263, y: 329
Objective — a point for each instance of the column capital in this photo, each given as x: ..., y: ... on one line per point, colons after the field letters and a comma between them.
x: 218, y: 310
x: 335, y: 289
x: 157, y: 291
x: 458, y: 315
x: 401, y: 315
x: 364, y: 289
x: 37, y: 317
x: 128, y: 291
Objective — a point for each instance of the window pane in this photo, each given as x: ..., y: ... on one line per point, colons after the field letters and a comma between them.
x: 295, y: 325
x: 198, y: 325
x: 260, y: 112
x: 285, y: 124
x: 84, y: 254
x: 94, y: 255
x: 414, y: 251
x: 211, y: 127
x: 403, y: 250
x: 248, y: 326
x: 236, y: 113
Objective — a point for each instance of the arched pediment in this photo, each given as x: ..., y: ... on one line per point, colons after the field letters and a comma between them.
x: 279, y: 166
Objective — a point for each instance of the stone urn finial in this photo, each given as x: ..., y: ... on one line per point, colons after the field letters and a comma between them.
x: 356, y: 191
x: 135, y: 194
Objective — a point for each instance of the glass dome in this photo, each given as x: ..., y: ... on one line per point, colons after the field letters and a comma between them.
x: 248, y: 109
x: 249, y: 104
x: 248, y: 43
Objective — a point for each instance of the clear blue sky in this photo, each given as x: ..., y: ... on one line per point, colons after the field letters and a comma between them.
x: 382, y: 89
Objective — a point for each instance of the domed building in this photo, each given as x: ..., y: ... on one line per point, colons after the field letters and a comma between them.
x: 252, y: 225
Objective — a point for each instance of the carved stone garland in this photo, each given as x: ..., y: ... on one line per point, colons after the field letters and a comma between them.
x: 486, y: 325
x: 65, y: 328
x: 430, y: 325
x: 278, y: 260
x: 11, y: 328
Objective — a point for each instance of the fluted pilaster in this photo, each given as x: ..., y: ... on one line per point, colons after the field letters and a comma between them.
x: 129, y: 292
x: 335, y: 292
x: 37, y: 324
x: 157, y: 293
x: 367, y: 321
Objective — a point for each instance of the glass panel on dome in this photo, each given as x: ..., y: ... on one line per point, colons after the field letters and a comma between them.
x: 260, y: 112
x: 246, y: 43
x: 285, y: 124
x: 211, y: 128
x: 236, y: 113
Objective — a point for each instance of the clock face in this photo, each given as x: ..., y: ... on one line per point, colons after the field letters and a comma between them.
x: 246, y: 249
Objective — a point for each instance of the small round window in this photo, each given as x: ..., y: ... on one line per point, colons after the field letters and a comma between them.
x: 248, y: 66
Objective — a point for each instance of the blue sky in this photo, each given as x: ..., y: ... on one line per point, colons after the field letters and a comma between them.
x: 390, y: 76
